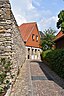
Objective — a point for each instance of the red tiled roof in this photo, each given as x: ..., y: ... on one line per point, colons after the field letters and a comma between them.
x: 59, y: 35
x: 26, y: 29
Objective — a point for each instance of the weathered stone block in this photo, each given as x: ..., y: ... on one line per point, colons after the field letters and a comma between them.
x: 11, y: 44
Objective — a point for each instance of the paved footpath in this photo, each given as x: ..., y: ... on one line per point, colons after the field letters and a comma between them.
x: 36, y: 79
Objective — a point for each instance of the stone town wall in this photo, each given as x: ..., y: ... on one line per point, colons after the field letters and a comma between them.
x: 11, y: 43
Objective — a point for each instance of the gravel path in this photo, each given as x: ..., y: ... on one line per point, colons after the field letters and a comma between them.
x: 36, y: 79
x: 44, y: 81
x: 22, y: 86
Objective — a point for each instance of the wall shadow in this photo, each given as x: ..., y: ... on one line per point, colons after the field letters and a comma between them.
x: 50, y: 74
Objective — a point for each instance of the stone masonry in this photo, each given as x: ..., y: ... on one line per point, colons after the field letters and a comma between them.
x: 11, y: 43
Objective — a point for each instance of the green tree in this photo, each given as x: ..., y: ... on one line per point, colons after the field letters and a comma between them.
x: 60, y: 23
x: 47, y: 41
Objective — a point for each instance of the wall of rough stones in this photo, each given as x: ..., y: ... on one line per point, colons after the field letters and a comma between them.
x: 11, y: 43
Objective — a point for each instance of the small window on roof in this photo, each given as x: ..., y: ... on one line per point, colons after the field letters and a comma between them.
x: 37, y: 38
x: 33, y: 37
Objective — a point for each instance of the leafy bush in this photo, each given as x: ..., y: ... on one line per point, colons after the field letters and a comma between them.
x: 44, y: 53
x: 1, y: 90
x: 7, y: 81
x: 3, y: 61
x: 5, y: 67
x: 55, y: 58
x: 2, y: 77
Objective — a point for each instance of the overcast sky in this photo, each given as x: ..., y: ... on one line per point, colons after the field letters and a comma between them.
x: 44, y: 12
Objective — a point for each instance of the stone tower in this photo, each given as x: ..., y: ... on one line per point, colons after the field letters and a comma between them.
x: 11, y: 43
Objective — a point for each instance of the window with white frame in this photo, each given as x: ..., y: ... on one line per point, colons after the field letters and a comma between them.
x: 33, y: 37
x: 37, y: 38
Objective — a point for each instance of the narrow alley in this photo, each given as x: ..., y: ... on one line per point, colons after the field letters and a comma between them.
x: 36, y: 79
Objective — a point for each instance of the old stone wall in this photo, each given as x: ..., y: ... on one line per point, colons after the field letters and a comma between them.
x: 11, y: 43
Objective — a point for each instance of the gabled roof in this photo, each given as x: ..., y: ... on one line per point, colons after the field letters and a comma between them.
x: 26, y: 30
x: 59, y: 35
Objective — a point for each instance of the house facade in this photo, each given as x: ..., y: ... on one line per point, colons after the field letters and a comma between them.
x: 59, y: 40
x: 31, y: 38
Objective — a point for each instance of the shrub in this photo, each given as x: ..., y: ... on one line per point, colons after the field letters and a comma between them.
x: 44, y: 53
x: 5, y: 66
x: 55, y: 58
x: 2, y: 77
x: 7, y: 81
x: 1, y: 90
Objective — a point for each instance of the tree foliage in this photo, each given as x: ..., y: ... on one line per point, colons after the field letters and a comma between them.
x: 47, y: 41
x: 55, y: 59
x: 60, y: 23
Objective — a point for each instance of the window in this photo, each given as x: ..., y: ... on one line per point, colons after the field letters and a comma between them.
x: 32, y: 51
x: 28, y: 57
x: 28, y: 50
x: 35, y: 50
x: 36, y: 38
x: 33, y: 37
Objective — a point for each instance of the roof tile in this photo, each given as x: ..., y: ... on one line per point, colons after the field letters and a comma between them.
x: 25, y: 29
x: 59, y: 35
